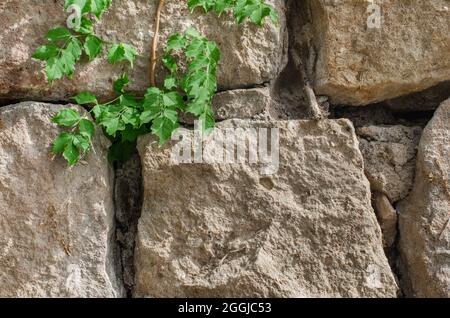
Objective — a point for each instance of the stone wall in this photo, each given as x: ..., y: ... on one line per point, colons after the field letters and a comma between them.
x: 358, y: 205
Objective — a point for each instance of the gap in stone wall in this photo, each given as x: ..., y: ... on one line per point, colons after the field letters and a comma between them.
x: 128, y: 198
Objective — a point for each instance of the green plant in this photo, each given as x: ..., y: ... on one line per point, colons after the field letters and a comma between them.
x: 77, y: 142
x: 126, y: 117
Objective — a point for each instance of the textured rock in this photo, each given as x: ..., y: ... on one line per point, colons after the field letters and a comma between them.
x: 424, y: 215
x: 358, y: 65
x: 229, y: 230
x: 251, y: 55
x: 389, y: 158
x: 56, y: 224
x: 253, y: 103
x: 387, y: 217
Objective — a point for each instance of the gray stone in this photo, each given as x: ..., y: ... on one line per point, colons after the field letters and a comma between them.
x: 424, y: 215
x: 356, y: 64
x: 250, y: 55
x: 232, y: 230
x: 56, y: 223
x: 389, y: 154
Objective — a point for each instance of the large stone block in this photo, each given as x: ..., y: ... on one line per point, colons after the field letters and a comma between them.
x: 56, y: 224
x: 355, y: 62
x: 424, y: 215
x: 307, y: 229
x: 389, y: 154
x: 250, y: 55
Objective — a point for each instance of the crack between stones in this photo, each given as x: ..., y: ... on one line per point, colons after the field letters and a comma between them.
x: 128, y: 199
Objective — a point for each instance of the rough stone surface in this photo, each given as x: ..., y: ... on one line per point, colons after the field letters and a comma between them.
x: 387, y: 217
x: 56, y: 224
x: 251, y: 55
x: 253, y: 103
x: 424, y: 215
x: 358, y: 65
x: 389, y: 154
x: 308, y: 230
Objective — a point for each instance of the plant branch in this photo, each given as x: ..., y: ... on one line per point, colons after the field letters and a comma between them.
x: 154, y: 56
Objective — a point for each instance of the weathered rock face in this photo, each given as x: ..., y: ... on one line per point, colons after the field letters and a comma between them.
x: 424, y: 215
x: 253, y: 103
x: 229, y: 230
x: 253, y: 55
x: 357, y: 65
x: 389, y: 158
x: 56, y: 223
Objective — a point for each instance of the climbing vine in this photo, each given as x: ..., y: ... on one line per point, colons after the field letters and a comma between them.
x: 187, y: 89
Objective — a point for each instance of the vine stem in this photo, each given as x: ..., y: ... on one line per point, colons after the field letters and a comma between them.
x: 154, y: 57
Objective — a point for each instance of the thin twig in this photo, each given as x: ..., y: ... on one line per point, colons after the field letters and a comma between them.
x: 154, y: 56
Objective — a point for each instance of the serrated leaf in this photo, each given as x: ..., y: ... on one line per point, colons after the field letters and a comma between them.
x: 82, y: 142
x: 66, y: 117
x: 58, y: 34
x: 86, y: 128
x: 98, y: 7
x: 46, y: 52
x: 164, y: 127
x: 122, y: 52
x: 170, y: 82
x: 92, y: 46
x: 54, y: 69
x: 86, y: 26
x: 60, y: 143
x: 85, y: 98
x: 120, y: 83
x: 255, y: 10
x: 71, y: 154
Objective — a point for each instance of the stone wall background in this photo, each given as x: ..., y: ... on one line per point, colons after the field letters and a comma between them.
x: 365, y: 132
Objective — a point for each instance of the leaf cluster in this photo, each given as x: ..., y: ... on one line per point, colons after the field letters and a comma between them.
x: 73, y: 145
x: 254, y: 10
x: 66, y: 47
x: 190, y: 59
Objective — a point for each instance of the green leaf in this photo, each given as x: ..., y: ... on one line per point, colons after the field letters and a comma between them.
x: 66, y: 117
x: 122, y: 52
x: 58, y: 34
x: 92, y: 46
x: 63, y: 62
x: 113, y: 125
x: 163, y: 127
x: 170, y: 82
x: 86, y: 128
x: 98, y: 7
x: 86, y: 26
x: 255, y: 10
x: 71, y: 154
x: 60, y: 143
x: 120, y: 83
x: 46, y: 52
x: 175, y: 42
x: 85, y: 98
x: 82, y: 142
x: 54, y: 69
